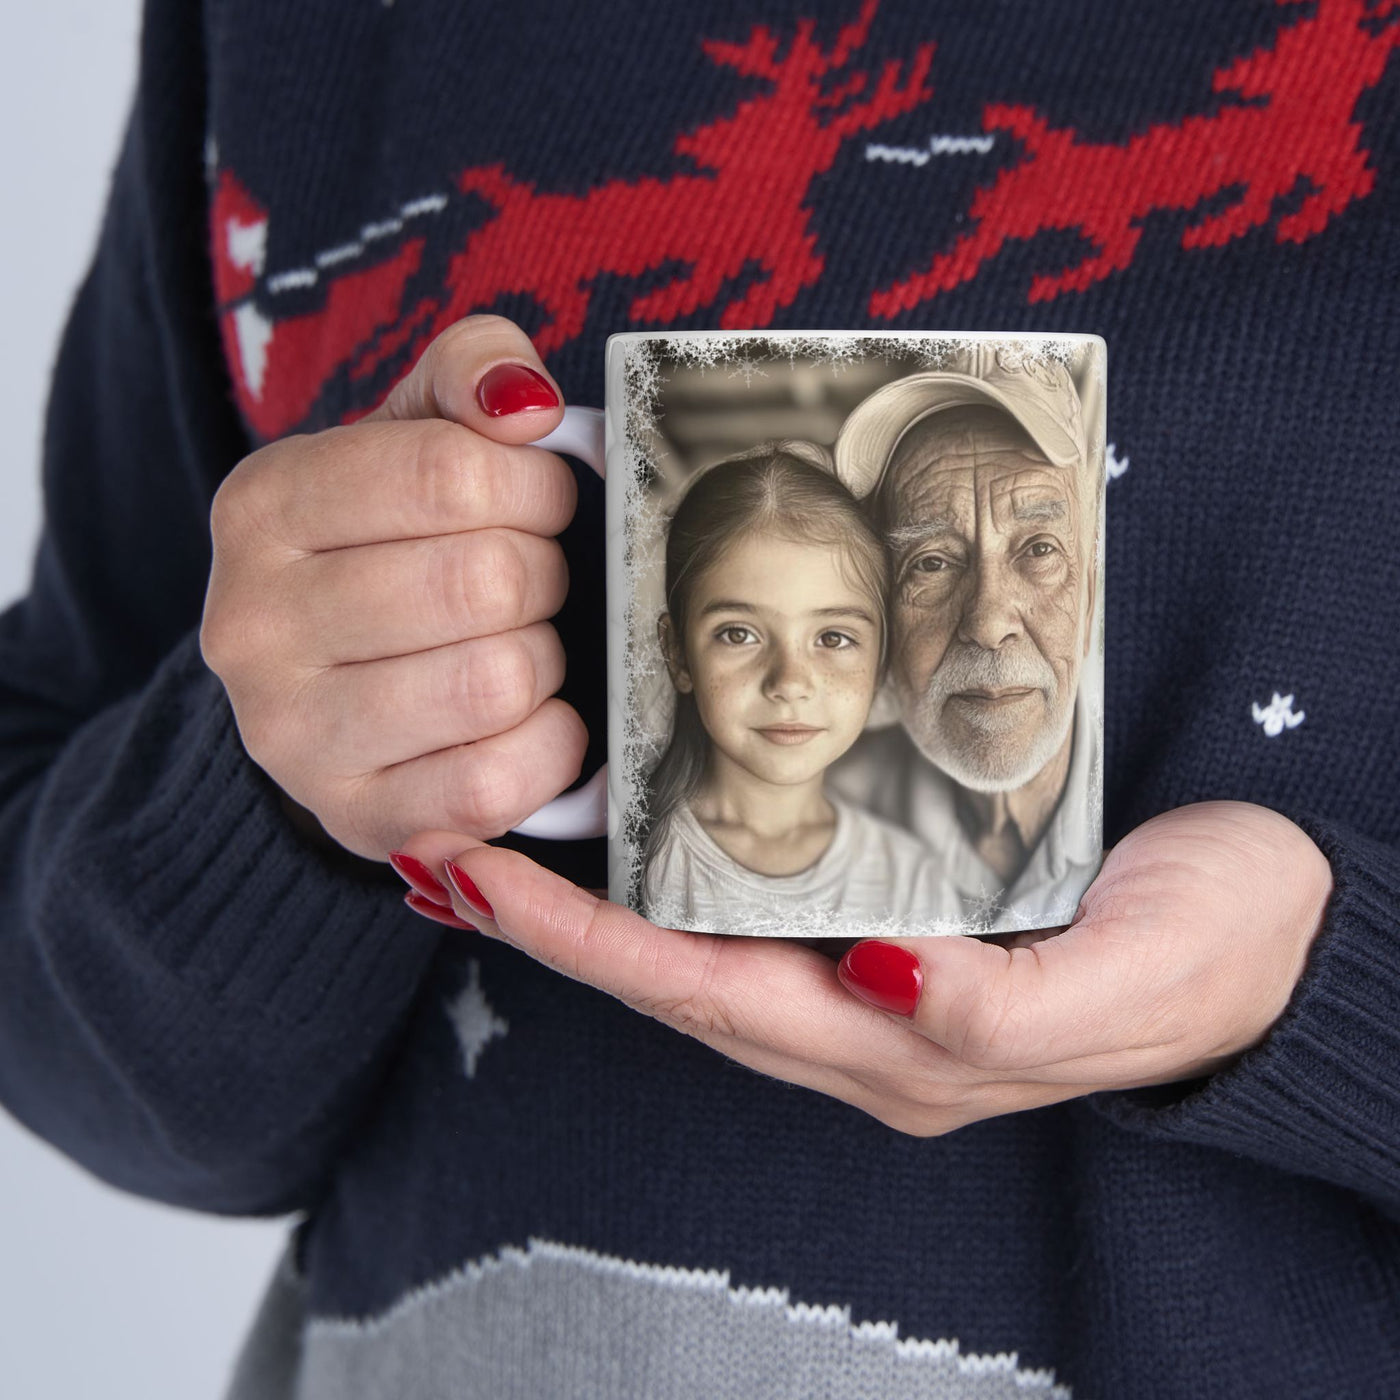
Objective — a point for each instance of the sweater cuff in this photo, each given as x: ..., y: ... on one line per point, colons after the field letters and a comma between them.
x: 1320, y: 1096
x: 185, y: 855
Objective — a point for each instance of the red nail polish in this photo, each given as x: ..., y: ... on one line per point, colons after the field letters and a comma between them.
x: 420, y: 877
x: 466, y: 887
x: 884, y: 975
x: 436, y: 912
x: 508, y: 389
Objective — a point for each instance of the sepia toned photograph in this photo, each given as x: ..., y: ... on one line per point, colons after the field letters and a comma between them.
x: 856, y: 646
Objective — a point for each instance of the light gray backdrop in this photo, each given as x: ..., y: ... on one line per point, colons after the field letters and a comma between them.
x: 101, y: 1295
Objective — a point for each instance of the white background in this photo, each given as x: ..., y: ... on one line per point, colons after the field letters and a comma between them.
x: 101, y: 1295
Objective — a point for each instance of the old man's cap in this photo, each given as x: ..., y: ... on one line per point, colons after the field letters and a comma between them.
x: 1033, y: 388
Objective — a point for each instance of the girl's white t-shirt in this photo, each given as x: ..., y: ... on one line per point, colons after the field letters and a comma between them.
x: 874, y: 879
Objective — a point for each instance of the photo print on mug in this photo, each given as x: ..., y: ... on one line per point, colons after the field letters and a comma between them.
x: 855, y: 630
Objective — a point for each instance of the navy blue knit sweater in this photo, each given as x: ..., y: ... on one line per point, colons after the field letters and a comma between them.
x: 200, y: 1006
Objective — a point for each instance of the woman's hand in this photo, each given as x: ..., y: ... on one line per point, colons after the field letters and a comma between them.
x: 377, y: 604
x: 1183, y: 953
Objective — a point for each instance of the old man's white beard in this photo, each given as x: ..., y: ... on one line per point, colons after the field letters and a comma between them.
x: 992, y: 758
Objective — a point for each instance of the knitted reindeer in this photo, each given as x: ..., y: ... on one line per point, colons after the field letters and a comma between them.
x: 1304, y: 129
x: 757, y: 165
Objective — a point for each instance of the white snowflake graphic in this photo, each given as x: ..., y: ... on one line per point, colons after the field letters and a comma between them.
x: 474, y: 1020
x: 1278, y: 715
x: 747, y: 370
x: 1114, y: 465
x: 983, y: 910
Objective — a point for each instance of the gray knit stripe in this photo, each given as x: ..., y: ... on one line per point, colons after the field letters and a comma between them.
x: 557, y: 1321
x: 267, y: 1366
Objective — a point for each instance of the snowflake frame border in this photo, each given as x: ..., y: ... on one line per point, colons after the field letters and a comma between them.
x: 644, y: 358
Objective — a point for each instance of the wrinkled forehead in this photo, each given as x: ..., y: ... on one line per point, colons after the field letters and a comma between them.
x: 963, y: 451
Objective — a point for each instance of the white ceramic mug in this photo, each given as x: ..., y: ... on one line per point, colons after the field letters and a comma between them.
x: 582, y: 812
x: 860, y: 407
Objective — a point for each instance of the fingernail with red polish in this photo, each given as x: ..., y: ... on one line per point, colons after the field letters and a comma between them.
x: 420, y: 877
x: 466, y: 887
x: 436, y: 912
x: 508, y: 389
x: 883, y: 975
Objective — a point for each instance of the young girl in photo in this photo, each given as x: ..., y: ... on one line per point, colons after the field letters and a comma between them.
x: 774, y: 635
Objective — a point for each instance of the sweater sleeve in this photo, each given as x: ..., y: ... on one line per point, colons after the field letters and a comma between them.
x: 195, y: 1004
x: 1320, y: 1097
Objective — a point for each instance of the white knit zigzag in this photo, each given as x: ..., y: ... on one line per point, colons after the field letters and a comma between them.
x: 937, y: 146
x: 297, y: 277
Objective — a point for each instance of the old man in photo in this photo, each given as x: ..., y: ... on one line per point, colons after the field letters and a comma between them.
x: 982, y: 482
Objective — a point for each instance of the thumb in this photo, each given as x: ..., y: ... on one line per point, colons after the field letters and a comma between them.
x: 997, y: 1008
x: 483, y: 373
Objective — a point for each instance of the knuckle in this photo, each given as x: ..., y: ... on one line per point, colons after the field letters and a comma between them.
x: 225, y: 510
x: 354, y: 815
x: 548, y: 662
x: 267, y: 742
x: 324, y: 726
x: 246, y: 503
x: 696, y: 1011
x: 490, y: 787
x: 488, y: 323
x: 547, y: 492
x: 926, y: 1104
x: 234, y: 503
x: 461, y: 478
x: 507, y: 689
x: 576, y: 958
x: 443, y: 590
x: 983, y: 1044
x: 484, y: 335
x: 567, y: 740
x: 554, y: 569
x: 455, y: 355
x: 993, y: 1037
x: 472, y: 330
x: 487, y: 797
x: 702, y: 1020
x: 441, y: 473
x: 277, y: 725
x: 934, y: 1095
x: 441, y: 358
x: 515, y: 675
x: 1116, y: 907
x: 494, y: 591
x: 239, y: 636
x: 214, y: 638
x: 542, y: 575
x: 445, y: 343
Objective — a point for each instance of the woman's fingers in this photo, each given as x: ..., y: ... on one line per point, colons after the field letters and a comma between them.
x: 1150, y: 985
x: 375, y: 714
x: 484, y: 373
x: 769, y: 1004
x: 1011, y: 1010
x: 479, y: 790
x: 401, y: 596
x: 763, y: 991
x: 377, y: 481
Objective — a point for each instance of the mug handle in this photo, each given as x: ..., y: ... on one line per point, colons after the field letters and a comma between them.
x: 575, y: 815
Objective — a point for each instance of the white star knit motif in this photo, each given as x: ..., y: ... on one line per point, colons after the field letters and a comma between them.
x: 474, y: 1020
x: 1278, y: 715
